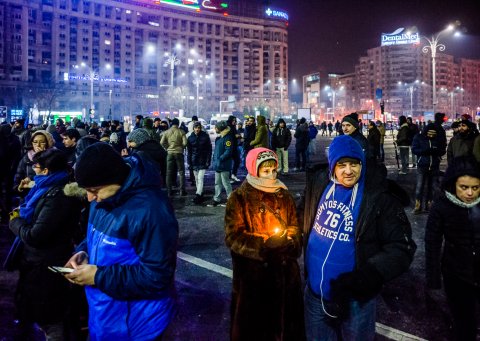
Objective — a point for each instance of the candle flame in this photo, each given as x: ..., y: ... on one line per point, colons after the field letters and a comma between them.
x: 276, y: 230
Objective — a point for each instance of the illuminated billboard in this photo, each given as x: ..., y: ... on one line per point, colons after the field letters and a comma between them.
x: 400, y: 37
x: 276, y: 14
x: 197, y: 5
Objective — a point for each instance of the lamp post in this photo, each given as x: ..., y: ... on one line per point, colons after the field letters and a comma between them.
x: 197, y: 81
x: 281, y: 87
x: 433, y: 46
x: 334, y: 94
x: 92, y: 79
x: 110, y: 100
x: 171, y: 61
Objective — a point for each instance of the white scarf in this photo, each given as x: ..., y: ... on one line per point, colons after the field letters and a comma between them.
x: 265, y: 185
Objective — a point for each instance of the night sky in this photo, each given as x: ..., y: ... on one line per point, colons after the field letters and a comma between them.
x: 333, y: 34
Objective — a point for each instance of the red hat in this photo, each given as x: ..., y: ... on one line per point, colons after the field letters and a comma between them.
x: 256, y: 156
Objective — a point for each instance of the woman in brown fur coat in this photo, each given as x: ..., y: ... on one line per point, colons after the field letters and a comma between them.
x: 262, y: 233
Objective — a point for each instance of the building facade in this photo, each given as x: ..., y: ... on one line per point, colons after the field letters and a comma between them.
x: 123, y: 58
x: 403, y: 74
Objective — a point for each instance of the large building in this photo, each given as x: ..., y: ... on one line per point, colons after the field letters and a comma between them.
x: 400, y: 77
x: 126, y: 57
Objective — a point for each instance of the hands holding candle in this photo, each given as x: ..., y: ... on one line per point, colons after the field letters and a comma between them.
x: 278, y: 239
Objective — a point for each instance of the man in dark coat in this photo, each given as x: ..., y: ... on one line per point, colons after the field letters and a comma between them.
x: 373, y: 140
x: 222, y: 162
x: 249, y: 135
x: 232, y: 124
x: 350, y: 126
x: 429, y: 151
x: 199, y: 157
x: 404, y: 143
x: 461, y: 144
x: 70, y: 138
x: 281, y: 139
x: 357, y: 237
x: 301, y: 144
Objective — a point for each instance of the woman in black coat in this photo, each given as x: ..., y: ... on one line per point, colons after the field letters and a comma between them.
x: 454, y: 221
x: 45, y: 223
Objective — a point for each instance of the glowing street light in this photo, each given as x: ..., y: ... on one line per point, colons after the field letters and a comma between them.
x: 92, y: 78
x: 433, y: 45
x: 171, y: 61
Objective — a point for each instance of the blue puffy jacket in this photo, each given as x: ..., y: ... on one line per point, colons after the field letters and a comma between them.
x: 132, y: 238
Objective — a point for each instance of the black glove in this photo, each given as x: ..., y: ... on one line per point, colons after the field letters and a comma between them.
x: 362, y: 284
x: 276, y: 241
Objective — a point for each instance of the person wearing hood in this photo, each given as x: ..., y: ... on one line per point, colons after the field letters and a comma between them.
x: 281, y: 139
x: 452, y: 245
x: 141, y: 141
x: 357, y: 238
x: 429, y: 151
x: 40, y: 141
x: 222, y: 162
x: 462, y: 143
x: 264, y: 238
x: 261, y: 134
x: 46, y: 223
x: 127, y: 262
x: 373, y: 139
x: 199, y: 157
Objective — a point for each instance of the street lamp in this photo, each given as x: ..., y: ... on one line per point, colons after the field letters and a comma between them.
x: 171, y: 61
x: 433, y: 45
x: 333, y: 92
x: 92, y: 78
x: 110, y: 100
x: 452, y: 100
x: 281, y: 87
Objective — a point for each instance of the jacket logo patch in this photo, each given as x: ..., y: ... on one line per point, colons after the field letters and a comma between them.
x: 108, y: 242
x: 228, y: 143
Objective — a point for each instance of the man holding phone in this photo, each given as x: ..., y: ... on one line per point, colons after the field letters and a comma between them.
x: 127, y: 261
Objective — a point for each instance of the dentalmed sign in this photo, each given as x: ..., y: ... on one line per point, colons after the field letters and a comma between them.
x: 400, y: 37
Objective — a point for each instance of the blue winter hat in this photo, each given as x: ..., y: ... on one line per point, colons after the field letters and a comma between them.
x: 344, y: 146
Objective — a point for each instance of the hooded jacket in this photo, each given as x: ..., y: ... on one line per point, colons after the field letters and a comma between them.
x: 428, y: 150
x: 132, y: 238
x: 261, y: 134
x: 222, y: 156
x: 199, y: 150
x: 384, y: 247
x: 281, y: 137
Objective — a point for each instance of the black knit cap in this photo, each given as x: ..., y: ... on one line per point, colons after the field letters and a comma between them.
x: 100, y: 165
x: 352, y: 119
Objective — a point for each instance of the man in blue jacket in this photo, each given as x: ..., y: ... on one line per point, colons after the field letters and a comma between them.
x: 357, y: 238
x: 222, y: 161
x: 127, y: 262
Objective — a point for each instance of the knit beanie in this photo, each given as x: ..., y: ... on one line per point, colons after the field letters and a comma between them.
x: 344, y: 146
x: 256, y: 156
x: 139, y: 136
x: 352, y: 119
x: 221, y: 125
x: 175, y: 122
x: 100, y: 165
x: 402, y: 120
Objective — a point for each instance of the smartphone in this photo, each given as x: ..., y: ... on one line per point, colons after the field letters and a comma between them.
x: 60, y: 269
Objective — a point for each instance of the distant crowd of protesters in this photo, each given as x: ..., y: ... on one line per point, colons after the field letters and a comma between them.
x: 90, y: 206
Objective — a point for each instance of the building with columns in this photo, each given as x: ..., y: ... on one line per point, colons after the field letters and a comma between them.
x: 123, y: 58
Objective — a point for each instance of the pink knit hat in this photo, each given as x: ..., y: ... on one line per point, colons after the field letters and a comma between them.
x: 256, y: 156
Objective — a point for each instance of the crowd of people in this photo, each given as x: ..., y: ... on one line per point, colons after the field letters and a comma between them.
x: 94, y: 203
